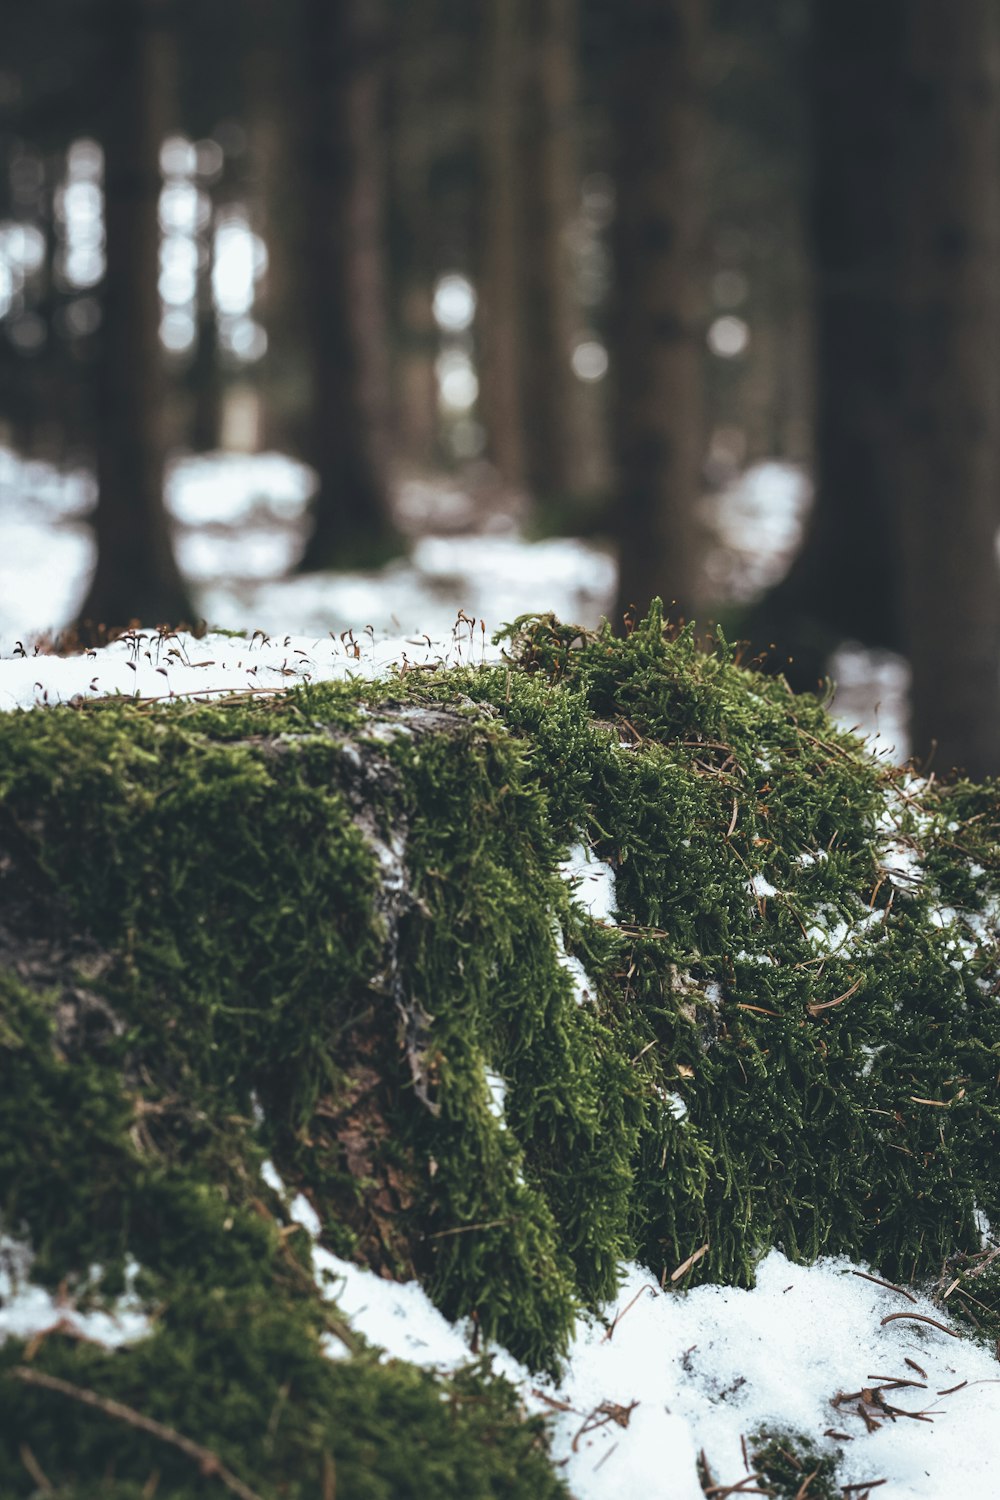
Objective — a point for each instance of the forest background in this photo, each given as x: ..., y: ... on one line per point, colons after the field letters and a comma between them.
x: 592, y: 261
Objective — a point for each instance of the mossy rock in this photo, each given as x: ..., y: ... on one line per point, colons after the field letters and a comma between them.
x: 307, y: 927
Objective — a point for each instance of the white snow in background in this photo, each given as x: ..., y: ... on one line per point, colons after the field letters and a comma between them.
x: 239, y: 520
x: 664, y: 1374
x: 760, y: 886
x: 872, y: 697
x: 757, y: 522
x: 27, y: 1309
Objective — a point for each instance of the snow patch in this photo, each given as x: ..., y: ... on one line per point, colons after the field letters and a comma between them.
x: 661, y: 1375
x: 27, y: 1309
x: 592, y: 882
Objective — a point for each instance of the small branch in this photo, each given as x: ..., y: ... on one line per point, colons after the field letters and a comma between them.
x: 208, y: 1462
x: 686, y: 1265
x: 36, y: 1471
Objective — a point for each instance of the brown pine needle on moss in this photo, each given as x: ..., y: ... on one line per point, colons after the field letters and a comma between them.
x: 209, y: 1463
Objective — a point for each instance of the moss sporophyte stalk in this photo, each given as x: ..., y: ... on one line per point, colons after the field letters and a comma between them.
x: 313, y: 927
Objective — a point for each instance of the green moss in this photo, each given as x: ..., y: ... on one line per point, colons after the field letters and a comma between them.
x: 790, y: 1468
x: 308, y: 927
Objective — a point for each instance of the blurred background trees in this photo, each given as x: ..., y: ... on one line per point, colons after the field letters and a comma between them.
x: 589, y: 264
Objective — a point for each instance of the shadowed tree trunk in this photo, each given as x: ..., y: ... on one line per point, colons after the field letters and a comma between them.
x: 340, y: 241
x: 270, y: 84
x: 900, y: 549
x: 946, y: 473
x: 658, y: 335
x: 205, y: 376
x: 549, y: 194
x: 843, y: 583
x: 137, y: 577
x: 499, y: 314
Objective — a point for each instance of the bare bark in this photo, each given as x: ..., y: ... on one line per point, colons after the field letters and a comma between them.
x: 548, y: 181
x: 343, y: 283
x: 205, y: 377
x: 137, y: 577
x: 500, y: 361
x: 946, y: 471
x: 270, y: 83
x: 900, y: 551
x: 843, y: 583
x: 658, y: 335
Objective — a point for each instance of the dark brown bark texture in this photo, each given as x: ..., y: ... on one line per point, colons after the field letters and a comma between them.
x: 900, y: 551
x: 340, y: 241
x: 945, y: 486
x: 658, y: 335
x: 549, y: 191
x: 137, y: 577
x: 501, y: 352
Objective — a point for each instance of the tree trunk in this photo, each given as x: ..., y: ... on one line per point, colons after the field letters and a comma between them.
x: 842, y: 584
x: 549, y: 194
x: 342, y: 252
x: 945, y: 469
x: 271, y: 85
x: 900, y: 549
x: 500, y: 361
x: 658, y: 335
x: 205, y: 377
x: 137, y: 577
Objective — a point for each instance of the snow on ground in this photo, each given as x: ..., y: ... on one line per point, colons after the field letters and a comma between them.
x: 151, y: 666
x: 757, y: 523
x: 592, y: 882
x: 662, y: 1375
x: 238, y: 520
x: 27, y: 1309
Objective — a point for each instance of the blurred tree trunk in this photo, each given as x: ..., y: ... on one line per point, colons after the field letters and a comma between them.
x: 945, y: 469
x: 137, y: 577
x: 906, y: 227
x: 270, y: 87
x: 549, y: 190
x: 500, y: 362
x: 416, y: 338
x: 205, y: 376
x: 843, y: 583
x: 657, y: 335
x: 341, y: 244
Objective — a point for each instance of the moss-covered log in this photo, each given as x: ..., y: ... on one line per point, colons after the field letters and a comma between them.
x: 310, y: 927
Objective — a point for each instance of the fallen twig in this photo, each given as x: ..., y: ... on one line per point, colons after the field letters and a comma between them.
x: 36, y: 1471
x: 648, y: 1287
x: 686, y: 1265
x: 209, y: 1463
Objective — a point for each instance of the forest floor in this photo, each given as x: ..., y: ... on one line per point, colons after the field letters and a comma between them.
x: 239, y: 526
x: 915, y: 1412
x: 658, y: 1383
